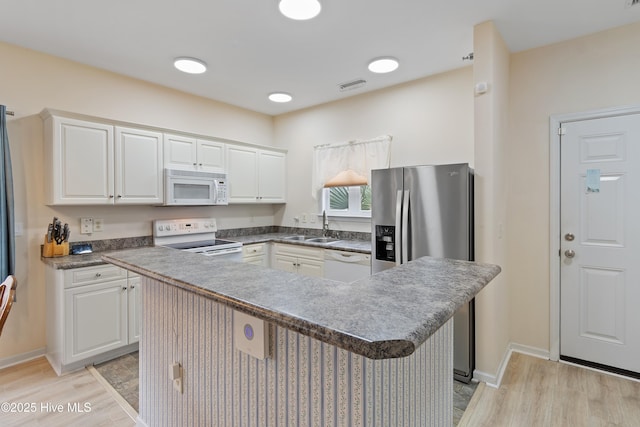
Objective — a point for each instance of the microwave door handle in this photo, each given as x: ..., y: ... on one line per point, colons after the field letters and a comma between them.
x: 405, y: 227
x: 398, y: 241
x: 215, y: 191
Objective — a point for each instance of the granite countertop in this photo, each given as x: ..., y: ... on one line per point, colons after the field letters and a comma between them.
x: 348, y: 245
x: 95, y: 258
x: 387, y: 315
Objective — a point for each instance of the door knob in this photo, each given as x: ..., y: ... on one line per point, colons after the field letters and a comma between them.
x: 569, y: 237
x: 569, y: 253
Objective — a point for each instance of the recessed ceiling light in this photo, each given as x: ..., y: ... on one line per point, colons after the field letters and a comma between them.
x: 190, y: 65
x: 300, y: 10
x: 383, y: 65
x: 280, y: 97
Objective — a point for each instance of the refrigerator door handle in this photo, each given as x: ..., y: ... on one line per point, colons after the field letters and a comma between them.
x: 405, y: 227
x: 398, y: 248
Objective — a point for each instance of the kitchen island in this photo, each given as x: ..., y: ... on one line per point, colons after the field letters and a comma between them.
x: 377, y: 351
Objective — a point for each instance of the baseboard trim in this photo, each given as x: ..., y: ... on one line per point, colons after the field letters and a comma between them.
x: 531, y: 351
x: 21, y: 358
x: 119, y: 399
x: 494, y: 381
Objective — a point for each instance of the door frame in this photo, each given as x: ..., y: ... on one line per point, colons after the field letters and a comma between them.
x: 555, y: 122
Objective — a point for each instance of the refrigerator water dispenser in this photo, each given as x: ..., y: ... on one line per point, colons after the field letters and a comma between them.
x: 385, y: 243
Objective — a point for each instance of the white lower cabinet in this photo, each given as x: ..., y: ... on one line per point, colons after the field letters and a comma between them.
x: 93, y: 314
x: 255, y: 253
x: 298, y: 259
x: 134, y: 306
x: 94, y: 319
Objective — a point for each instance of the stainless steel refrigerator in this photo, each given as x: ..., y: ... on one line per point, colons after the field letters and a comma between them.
x: 427, y: 210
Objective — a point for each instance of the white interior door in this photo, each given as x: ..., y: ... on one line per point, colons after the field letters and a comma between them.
x: 600, y: 241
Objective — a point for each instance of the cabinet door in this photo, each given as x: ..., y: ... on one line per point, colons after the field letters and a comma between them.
x: 309, y: 267
x: 180, y: 152
x: 271, y: 177
x: 95, y: 319
x: 255, y: 254
x: 81, y: 162
x: 285, y: 263
x: 210, y: 156
x: 242, y: 168
x: 134, y: 305
x: 139, y: 167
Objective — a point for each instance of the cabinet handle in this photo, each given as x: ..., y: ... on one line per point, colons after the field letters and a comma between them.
x: 119, y: 196
x: 111, y: 196
x: 200, y: 164
x: 195, y: 164
x: 98, y: 274
x: 132, y: 287
x: 124, y: 288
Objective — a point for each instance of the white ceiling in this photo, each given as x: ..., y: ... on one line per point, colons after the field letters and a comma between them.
x: 252, y: 50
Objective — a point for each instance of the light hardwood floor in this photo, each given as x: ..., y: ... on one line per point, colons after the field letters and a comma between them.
x: 534, y: 392
x: 34, y: 387
x: 537, y: 392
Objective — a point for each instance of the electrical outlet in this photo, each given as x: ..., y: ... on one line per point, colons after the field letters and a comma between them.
x: 86, y: 225
x: 304, y: 217
x: 176, y: 374
x: 98, y: 224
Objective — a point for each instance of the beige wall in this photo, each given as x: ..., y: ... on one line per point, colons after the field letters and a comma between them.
x: 31, y: 81
x: 593, y: 72
x: 491, y: 66
x: 430, y: 119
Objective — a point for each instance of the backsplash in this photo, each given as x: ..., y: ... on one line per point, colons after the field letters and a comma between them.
x: 118, y: 244
x: 345, y: 235
x: 136, y: 242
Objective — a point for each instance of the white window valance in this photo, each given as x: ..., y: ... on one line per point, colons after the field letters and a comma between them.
x: 338, y: 164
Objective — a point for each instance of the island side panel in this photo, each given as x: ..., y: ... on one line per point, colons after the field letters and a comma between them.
x: 304, y: 383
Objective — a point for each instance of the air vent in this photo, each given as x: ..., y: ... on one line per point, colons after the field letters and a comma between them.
x: 352, y: 85
x: 630, y: 3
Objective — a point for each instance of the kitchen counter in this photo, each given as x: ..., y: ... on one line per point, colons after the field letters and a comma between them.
x: 387, y: 315
x: 348, y: 245
x: 95, y: 258
x: 377, y: 351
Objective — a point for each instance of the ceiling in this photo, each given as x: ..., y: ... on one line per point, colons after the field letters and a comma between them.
x: 252, y: 50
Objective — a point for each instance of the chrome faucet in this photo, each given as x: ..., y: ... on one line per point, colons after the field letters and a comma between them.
x: 325, y: 224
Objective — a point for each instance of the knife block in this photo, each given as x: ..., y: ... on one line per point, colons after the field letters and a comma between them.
x: 52, y: 249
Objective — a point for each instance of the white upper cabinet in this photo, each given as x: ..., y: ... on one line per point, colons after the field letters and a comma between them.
x: 271, y: 176
x: 94, y: 161
x: 79, y: 160
x: 186, y: 153
x: 255, y: 175
x: 91, y: 163
x: 138, y: 162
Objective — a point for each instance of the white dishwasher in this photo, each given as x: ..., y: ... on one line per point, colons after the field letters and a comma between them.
x: 346, y: 266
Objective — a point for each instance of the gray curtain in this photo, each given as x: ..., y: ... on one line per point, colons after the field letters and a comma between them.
x: 7, y: 230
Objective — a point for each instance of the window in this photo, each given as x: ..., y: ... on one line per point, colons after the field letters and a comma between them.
x: 352, y: 201
x: 341, y: 172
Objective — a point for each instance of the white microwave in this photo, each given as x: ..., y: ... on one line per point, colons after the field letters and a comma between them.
x: 194, y: 188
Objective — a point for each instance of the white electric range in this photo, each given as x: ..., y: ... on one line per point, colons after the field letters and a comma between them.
x: 196, y: 235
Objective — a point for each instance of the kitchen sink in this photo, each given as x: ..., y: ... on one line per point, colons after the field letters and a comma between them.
x: 322, y: 240
x: 301, y: 238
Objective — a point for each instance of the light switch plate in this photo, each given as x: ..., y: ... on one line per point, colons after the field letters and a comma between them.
x: 98, y: 224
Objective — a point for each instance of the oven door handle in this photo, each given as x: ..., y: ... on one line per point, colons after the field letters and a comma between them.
x: 217, y: 252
